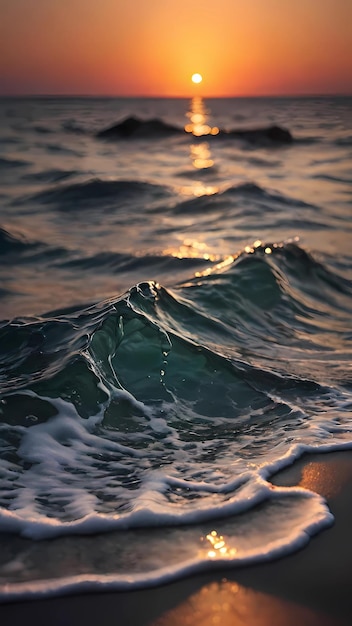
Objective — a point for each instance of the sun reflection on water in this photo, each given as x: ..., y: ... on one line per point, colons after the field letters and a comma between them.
x: 219, y: 549
x: 198, y: 116
x: 192, y: 249
x: 199, y: 189
x: 201, y: 156
x: 195, y: 248
x: 198, y: 126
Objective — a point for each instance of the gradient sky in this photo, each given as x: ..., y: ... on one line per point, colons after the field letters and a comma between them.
x: 152, y: 47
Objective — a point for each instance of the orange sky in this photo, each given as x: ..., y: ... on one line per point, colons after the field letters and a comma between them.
x: 152, y: 47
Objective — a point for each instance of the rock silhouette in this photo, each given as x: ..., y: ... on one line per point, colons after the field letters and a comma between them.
x: 135, y: 128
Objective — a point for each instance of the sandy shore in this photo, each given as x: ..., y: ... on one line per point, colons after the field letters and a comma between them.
x: 312, y: 587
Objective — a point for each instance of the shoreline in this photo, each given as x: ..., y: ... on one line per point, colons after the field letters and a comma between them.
x: 312, y: 586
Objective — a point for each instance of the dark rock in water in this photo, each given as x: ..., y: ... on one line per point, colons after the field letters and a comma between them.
x: 263, y: 135
x: 133, y: 127
x: 276, y: 133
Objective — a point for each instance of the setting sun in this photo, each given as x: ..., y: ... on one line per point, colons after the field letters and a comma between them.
x: 197, y: 78
x: 162, y: 48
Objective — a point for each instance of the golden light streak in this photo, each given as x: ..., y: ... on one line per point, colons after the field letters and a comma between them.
x: 229, y: 604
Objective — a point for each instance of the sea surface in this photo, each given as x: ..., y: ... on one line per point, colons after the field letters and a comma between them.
x: 176, y: 326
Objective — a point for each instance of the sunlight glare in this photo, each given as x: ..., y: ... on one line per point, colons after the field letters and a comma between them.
x: 197, y: 78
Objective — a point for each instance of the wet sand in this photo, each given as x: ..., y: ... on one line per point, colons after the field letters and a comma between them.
x: 312, y: 587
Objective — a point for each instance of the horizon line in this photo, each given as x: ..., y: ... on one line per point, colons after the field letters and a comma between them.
x: 178, y: 97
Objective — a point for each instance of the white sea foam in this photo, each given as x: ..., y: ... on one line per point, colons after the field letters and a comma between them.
x: 70, y: 469
x: 157, y: 557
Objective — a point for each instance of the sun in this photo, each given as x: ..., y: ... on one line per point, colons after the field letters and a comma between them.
x: 197, y: 78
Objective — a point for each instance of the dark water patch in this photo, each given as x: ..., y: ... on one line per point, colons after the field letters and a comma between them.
x: 144, y: 264
x: 98, y: 192
x: 41, y: 253
x: 248, y: 193
x: 8, y: 163
x: 71, y: 126
x: 17, y: 250
x: 50, y: 176
x: 56, y: 148
x: 10, y: 140
x: 247, y: 189
x: 219, y: 199
x: 297, y: 223
x: 5, y: 292
x: 339, y: 264
x: 308, y: 140
x: 15, y: 410
x: 43, y: 130
x: 344, y: 141
x: 331, y: 178
x: 22, y: 128
x: 326, y: 125
x: 257, y: 162
x: 326, y: 161
x: 101, y: 261
x: 11, y: 244
x: 11, y: 113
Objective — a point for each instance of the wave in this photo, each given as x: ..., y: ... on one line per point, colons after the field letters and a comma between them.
x: 50, y: 176
x: 268, y: 300
x: 331, y: 178
x: 274, y: 303
x: 6, y: 163
x: 257, y: 162
x: 128, y: 263
x: 9, y: 139
x: 71, y: 126
x: 16, y: 250
x: 10, y: 243
x: 43, y: 130
x: 244, y: 192
x: 161, y: 409
x: 308, y: 140
x: 344, y: 141
x: 171, y: 553
x: 57, y: 148
x: 96, y: 190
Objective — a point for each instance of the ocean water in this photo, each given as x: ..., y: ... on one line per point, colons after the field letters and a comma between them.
x: 175, y: 327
